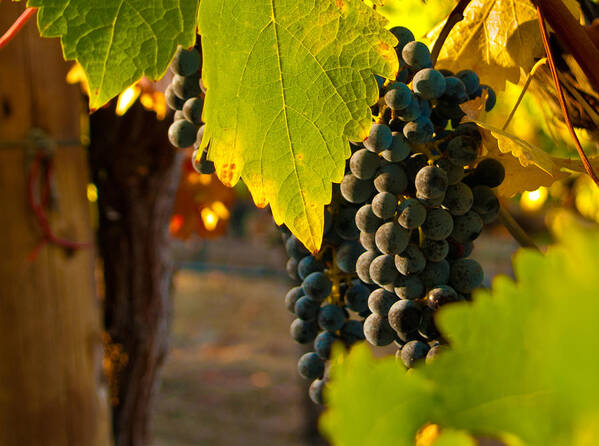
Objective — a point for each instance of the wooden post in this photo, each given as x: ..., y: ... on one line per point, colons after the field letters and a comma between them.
x: 52, y: 389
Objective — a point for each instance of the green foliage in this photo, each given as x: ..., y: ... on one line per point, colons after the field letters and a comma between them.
x: 289, y: 81
x: 117, y: 42
x: 522, y: 366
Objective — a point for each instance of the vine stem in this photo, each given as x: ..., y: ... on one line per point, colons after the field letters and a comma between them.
x: 573, y: 36
x: 16, y: 27
x: 529, y: 78
x: 456, y: 15
x: 562, y: 99
x: 515, y: 229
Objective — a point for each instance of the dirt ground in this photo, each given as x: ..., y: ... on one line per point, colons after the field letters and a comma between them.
x: 230, y: 377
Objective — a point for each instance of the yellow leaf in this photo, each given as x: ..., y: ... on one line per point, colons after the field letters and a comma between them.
x: 526, y: 167
x: 496, y: 39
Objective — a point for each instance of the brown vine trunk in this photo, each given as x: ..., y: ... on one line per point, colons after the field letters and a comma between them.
x: 136, y: 171
x: 51, y: 384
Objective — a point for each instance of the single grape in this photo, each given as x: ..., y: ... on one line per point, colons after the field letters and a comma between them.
x: 182, y: 134
x: 316, y: 391
x: 391, y: 238
x: 382, y: 270
x: 435, y: 250
x: 440, y: 295
x: 466, y: 275
x: 410, y: 261
x: 398, y: 96
x: 404, y: 317
x: 186, y: 62
x: 416, y: 55
x: 356, y: 190
x: 380, y: 301
x: 426, y: 109
x: 458, y: 250
x: 449, y: 109
x: 186, y: 87
x: 377, y: 330
x: 368, y: 240
x: 367, y: 220
x: 411, y: 112
x: 310, y: 366
x: 317, y: 286
x: 403, y: 36
x: 345, y: 224
x: 462, y: 150
x: 399, y: 149
x: 419, y: 131
x: 172, y: 100
x: 411, y: 213
x: 303, y: 331
x: 347, y: 256
x: 192, y: 110
x: 434, y: 352
x: 485, y: 200
x: 363, y: 265
x: 291, y: 268
x: 489, y: 217
x: 308, y: 265
x: 427, y: 328
x: 413, y: 352
x: 429, y: 83
x: 379, y: 138
x: 409, y: 287
x: 356, y: 297
x: 391, y: 178
x: 435, y: 273
x: 488, y: 172
x: 491, y: 98
x: 467, y: 227
x: 202, y: 165
x: 295, y: 248
x: 470, y: 80
x: 306, y: 309
x: 363, y: 164
x: 455, y: 90
x: 458, y: 199
x: 178, y: 115
x: 200, y: 136
x: 331, y: 318
x: 384, y: 205
x: 292, y: 297
x: 438, y: 224
x: 431, y: 182
x: 352, y: 332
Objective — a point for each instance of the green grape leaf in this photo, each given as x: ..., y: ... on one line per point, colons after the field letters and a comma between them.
x: 522, y: 366
x: 117, y: 41
x: 289, y: 82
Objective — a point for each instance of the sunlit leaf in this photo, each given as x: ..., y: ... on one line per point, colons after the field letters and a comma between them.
x: 522, y: 365
x: 117, y: 42
x: 289, y: 81
x: 497, y: 39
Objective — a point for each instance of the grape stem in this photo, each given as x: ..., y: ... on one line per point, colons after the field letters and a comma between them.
x: 572, y: 35
x: 529, y: 78
x: 16, y: 27
x: 456, y: 15
x: 561, y: 97
x: 516, y: 231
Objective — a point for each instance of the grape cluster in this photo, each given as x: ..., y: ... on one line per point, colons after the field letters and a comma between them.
x: 329, y: 301
x: 185, y: 95
x: 425, y: 195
